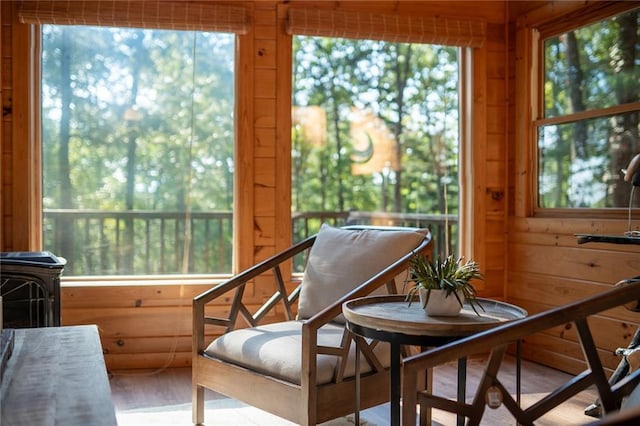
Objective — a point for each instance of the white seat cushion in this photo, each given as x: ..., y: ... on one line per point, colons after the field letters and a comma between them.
x: 340, y: 260
x: 276, y: 350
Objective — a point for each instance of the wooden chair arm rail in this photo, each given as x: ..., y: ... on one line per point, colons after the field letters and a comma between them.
x: 253, y: 272
x: 513, y: 331
x: 497, y: 339
x: 329, y: 350
x: 222, y: 322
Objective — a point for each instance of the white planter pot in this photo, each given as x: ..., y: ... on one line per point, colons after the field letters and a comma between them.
x: 440, y: 304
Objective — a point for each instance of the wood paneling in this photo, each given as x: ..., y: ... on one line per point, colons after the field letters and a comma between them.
x: 144, y: 326
x: 266, y: 84
x: 548, y: 268
x: 534, y: 262
x: 6, y: 169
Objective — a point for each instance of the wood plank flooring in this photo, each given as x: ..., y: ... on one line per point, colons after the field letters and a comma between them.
x: 149, y: 393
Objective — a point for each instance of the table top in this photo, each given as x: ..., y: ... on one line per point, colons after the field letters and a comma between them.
x: 393, y: 314
x: 56, y: 376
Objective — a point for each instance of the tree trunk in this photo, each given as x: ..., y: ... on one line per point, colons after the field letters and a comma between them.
x: 64, y: 228
x: 625, y: 142
x: 128, y: 251
x: 575, y: 78
x: 402, y: 74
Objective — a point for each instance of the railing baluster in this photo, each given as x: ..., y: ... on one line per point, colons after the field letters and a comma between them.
x: 178, y: 233
x: 147, y: 245
x: 220, y: 248
x: 207, y: 242
x: 192, y: 247
x: 163, y: 260
x: 117, y: 251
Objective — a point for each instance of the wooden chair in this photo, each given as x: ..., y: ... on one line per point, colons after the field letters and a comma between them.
x: 302, y: 367
x: 610, y: 394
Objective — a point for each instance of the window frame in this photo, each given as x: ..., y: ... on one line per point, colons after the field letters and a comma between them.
x: 532, y: 30
x: 26, y: 55
x: 467, y: 34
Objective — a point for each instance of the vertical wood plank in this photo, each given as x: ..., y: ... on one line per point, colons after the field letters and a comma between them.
x: 244, y: 201
x: 479, y: 141
x: 2, y: 155
x: 283, y: 234
x: 24, y: 156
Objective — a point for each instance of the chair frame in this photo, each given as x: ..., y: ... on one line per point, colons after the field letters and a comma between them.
x: 499, y: 338
x: 307, y: 403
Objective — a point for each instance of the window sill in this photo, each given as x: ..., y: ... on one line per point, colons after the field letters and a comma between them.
x: 142, y: 280
x: 616, y: 213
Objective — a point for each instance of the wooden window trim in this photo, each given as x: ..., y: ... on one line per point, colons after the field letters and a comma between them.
x: 395, y: 28
x: 531, y: 30
x: 467, y: 34
x: 26, y: 55
x: 585, y: 115
x: 170, y: 15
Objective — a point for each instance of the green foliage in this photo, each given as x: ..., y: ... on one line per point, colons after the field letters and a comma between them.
x: 136, y: 120
x: 412, y: 89
x: 449, y: 274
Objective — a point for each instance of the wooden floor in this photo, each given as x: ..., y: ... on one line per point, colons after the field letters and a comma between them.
x: 146, y: 392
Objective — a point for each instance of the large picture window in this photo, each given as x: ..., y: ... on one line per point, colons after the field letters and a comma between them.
x: 137, y: 149
x: 375, y: 135
x: 379, y: 118
x: 588, y: 126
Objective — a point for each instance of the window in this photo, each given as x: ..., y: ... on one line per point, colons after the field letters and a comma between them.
x: 376, y: 119
x: 375, y: 135
x: 589, y: 115
x: 137, y: 148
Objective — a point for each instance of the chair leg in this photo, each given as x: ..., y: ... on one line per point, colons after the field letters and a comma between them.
x: 197, y: 408
x: 426, y: 412
x: 410, y: 383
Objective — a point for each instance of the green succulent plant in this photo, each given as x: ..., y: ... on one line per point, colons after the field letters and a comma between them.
x: 450, y: 274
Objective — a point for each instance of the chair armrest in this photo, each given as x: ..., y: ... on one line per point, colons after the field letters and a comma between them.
x: 511, y: 332
x: 254, y: 271
x: 237, y: 285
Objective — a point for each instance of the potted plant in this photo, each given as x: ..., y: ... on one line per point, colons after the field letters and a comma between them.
x: 448, y: 280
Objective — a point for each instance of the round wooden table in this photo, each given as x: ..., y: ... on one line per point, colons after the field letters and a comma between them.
x: 392, y: 319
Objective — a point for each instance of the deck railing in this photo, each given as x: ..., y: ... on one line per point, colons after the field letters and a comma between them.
x: 154, y: 243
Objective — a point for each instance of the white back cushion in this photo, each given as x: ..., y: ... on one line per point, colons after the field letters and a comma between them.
x: 341, y: 259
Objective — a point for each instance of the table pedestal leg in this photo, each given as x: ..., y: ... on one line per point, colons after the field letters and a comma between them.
x: 518, y: 371
x: 395, y: 384
x: 357, y: 397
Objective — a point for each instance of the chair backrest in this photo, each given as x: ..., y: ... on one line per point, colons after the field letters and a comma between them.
x: 341, y: 259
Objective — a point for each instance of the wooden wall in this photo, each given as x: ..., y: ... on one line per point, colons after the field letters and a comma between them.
x: 546, y: 266
x: 148, y: 325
